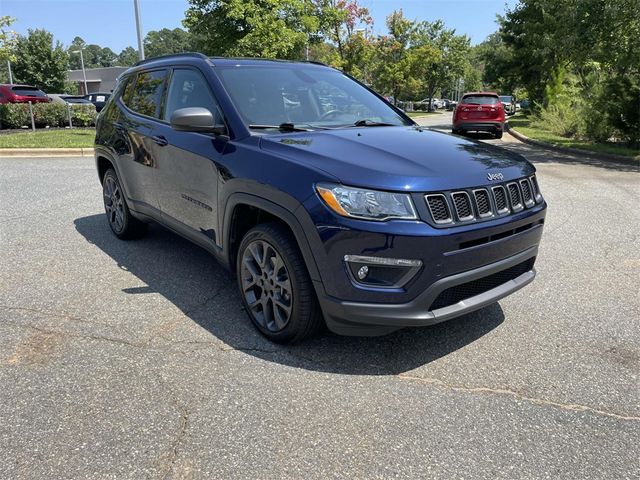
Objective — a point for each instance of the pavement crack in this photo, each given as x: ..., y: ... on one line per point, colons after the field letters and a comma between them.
x: 169, y: 458
x: 572, y: 407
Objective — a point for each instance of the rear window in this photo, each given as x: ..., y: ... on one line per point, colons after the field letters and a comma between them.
x: 481, y: 100
x: 28, y: 91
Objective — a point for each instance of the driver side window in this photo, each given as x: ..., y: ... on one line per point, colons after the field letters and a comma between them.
x: 188, y: 88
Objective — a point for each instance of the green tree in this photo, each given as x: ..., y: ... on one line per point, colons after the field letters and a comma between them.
x: 253, y: 28
x: 40, y: 61
x: 167, y: 41
x: 8, y: 39
x: 127, y: 57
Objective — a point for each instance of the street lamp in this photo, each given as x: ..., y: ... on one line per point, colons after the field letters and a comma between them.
x: 136, y: 7
x: 84, y: 74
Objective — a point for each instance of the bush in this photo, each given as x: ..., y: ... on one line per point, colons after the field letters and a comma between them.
x: 16, y: 115
x: 50, y: 114
x: 561, y: 119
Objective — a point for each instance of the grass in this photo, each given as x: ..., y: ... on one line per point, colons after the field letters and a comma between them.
x: 522, y: 124
x: 421, y: 114
x: 63, y: 138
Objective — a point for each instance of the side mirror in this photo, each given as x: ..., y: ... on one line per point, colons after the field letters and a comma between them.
x: 196, y: 119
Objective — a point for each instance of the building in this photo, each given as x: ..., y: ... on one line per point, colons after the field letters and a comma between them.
x: 98, y: 79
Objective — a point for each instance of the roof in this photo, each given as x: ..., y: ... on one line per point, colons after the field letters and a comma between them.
x: 480, y: 93
x: 219, y: 61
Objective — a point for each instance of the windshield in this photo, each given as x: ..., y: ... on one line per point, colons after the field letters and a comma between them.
x: 303, y: 96
x: 480, y: 100
x: 505, y: 98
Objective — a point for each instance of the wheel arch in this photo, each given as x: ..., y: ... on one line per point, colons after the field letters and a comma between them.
x: 243, y: 211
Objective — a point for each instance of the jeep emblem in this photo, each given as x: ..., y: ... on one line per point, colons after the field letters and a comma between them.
x: 492, y: 177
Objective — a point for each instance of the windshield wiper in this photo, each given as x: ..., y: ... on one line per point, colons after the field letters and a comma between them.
x: 370, y: 123
x: 285, y: 127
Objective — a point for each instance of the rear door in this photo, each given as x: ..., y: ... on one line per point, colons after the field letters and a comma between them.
x: 136, y: 128
x: 187, y: 161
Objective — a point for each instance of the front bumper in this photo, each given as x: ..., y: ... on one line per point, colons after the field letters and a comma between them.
x: 359, y: 318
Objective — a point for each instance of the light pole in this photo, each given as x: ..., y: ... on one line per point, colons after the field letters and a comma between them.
x: 9, y: 67
x: 84, y: 74
x: 136, y: 7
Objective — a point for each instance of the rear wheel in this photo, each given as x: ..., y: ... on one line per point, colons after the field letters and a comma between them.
x: 499, y: 134
x: 122, y: 223
x: 275, y: 286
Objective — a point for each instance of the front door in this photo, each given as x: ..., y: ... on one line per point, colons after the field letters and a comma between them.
x: 187, y: 172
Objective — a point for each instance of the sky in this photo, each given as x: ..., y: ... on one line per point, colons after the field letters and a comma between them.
x: 111, y: 23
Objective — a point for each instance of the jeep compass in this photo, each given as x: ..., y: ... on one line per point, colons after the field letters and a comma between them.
x: 331, y: 206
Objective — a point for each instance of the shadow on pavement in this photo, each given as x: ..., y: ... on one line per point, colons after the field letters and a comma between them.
x: 191, y: 279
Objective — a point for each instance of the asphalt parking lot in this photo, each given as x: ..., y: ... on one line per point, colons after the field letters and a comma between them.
x: 136, y: 360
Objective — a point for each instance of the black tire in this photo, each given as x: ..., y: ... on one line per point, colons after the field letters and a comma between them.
x: 124, y: 225
x: 268, y: 260
x: 499, y: 134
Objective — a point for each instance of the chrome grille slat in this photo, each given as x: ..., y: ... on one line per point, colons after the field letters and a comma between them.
x: 483, y: 203
x: 514, y: 197
x: 462, y: 205
x: 536, y: 188
x: 500, y: 197
x: 527, y: 194
x: 439, y: 208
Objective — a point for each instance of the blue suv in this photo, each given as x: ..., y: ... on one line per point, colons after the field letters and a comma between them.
x: 331, y: 205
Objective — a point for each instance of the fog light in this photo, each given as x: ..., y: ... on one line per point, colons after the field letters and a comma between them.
x: 362, y: 272
x: 381, y: 272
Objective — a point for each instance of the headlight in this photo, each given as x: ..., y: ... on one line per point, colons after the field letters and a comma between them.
x: 367, y: 204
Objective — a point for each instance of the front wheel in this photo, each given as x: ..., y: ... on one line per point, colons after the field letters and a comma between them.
x: 275, y: 286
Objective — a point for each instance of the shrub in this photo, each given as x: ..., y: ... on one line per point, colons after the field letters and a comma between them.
x: 83, y: 115
x: 50, y: 114
x: 16, y: 115
x: 561, y: 119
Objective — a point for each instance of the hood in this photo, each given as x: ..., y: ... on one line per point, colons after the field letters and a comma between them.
x: 398, y: 158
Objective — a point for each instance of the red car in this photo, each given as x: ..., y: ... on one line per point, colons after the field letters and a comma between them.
x: 479, y: 112
x: 21, y: 94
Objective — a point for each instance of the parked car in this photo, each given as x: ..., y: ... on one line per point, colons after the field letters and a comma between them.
x: 99, y: 99
x: 508, y: 103
x: 479, y: 112
x: 450, y: 104
x: 65, y: 98
x: 356, y: 217
x: 10, y: 93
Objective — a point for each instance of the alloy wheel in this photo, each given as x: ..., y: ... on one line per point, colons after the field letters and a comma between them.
x: 113, y: 203
x: 266, y: 285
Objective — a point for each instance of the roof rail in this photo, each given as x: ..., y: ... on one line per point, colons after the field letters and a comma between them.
x: 316, y: 62
x: 172, y: 55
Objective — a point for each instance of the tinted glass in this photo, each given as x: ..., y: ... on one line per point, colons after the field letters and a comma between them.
x: 481, y: 100
x: 305, y: 95
x: 147, y: 93
x: 28, y: 91
x: 188, y: 88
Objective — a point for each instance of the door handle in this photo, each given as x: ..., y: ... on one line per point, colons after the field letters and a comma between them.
x: 160, y: 140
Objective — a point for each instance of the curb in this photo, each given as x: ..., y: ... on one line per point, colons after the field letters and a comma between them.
x: 576, y: 151
x: 45, y: 152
